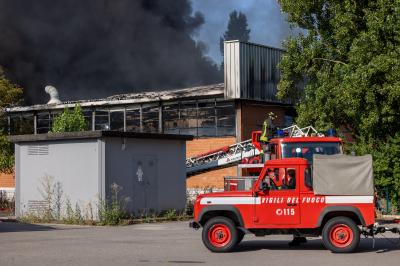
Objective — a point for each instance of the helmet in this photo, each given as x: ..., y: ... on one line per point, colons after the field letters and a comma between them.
x: 272, y: 115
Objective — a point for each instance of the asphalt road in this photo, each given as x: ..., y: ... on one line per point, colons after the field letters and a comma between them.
x: 168, y: 244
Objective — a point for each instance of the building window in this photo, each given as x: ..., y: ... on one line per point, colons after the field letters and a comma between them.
x: 188, y: 118
x: 21, y: 124
x: 117, y: 120
x: 206, y: 119
x: 150, y: 118
x: 171, y: 118
x: 102, y: 120
x: 43, y: 122
x: 88, y: 115
x: 201, y: 118
x: 133, y: 120
x: 225, y: 118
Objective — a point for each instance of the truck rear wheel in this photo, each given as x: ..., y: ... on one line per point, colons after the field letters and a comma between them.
x: 220, y: 234
x: 341, y: 235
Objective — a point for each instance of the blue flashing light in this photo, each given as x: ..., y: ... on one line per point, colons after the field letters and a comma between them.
x: 331, y: 132
x: 280, y: 133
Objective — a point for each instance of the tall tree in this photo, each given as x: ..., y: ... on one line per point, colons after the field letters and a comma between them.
x: 237, y: 29
x: 349, y: 63
x: 10, y: 95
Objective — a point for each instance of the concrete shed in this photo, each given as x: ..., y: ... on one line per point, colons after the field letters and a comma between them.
x: 150, y: 169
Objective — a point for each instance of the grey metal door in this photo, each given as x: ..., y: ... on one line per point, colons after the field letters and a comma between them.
x: 145, y: 187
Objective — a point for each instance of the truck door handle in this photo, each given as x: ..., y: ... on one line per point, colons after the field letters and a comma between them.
x: 291, y: 204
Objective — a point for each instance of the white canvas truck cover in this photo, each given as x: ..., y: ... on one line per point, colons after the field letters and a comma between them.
x: 343, y: 175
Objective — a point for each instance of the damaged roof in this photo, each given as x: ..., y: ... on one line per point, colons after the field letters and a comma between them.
x: 215, y: 90
x: 95, y: 134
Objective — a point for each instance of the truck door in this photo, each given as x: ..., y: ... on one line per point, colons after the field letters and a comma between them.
x: 279, y: 205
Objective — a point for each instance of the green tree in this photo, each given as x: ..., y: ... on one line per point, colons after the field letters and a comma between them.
x: 345, y: 71
x: 10, y: 95
x: 69, y: 121
x: 237, y: 30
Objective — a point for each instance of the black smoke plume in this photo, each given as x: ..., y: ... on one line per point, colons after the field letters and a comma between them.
x: 96, y: 48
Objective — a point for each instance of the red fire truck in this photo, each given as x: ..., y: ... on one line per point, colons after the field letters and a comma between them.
x: 308, y: 189
x: 306, y: 140
x: 293, y: 142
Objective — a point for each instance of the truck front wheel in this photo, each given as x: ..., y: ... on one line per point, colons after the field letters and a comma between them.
x: 220, y: 234
x: 341, y: 235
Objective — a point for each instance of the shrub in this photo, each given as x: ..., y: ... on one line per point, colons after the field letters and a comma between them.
x: 111, y: 212
x: 386, y: 165
x: 70, y: 121
x: 6, y: 204
x: 171, y: 214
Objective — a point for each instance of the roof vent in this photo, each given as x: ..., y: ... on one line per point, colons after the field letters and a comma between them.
x: 52, y: 91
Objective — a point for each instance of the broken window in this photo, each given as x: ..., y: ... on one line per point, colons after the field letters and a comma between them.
x: 102, y: 120
x: 88, y: 115
x: 188, y: 118
x: 206, y: 118
x: 150, y: 118
x: 133, y: 120
x: 200, y: 118
x: 22, y: 124
x: 117, y: 120
x: 43, y: 122
x: 226, y: 116
x: 171, y: 118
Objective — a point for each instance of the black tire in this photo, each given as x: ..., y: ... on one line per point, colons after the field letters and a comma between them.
x: 220, y: 234
x: 341, y: 235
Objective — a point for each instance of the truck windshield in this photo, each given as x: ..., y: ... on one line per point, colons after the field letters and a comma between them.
x: 306, y: 149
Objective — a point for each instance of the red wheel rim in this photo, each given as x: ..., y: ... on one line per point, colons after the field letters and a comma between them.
x: 341, y: 235
x: 219, y: 235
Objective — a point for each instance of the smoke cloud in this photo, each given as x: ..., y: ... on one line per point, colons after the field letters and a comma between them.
x: 96, y: 48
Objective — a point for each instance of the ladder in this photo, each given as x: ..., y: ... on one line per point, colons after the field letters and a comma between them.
x: 233, y: 155
x: 219, y: 158
x: 295, y: 131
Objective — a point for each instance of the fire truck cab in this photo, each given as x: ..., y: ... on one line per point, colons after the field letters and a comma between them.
x: 299, y: 146
x: 282, y: 148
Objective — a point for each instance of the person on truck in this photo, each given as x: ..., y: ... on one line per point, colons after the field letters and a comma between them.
x: 267, y: 127
x: 266, y: 134
x: 274, y: 179
x: 291, y: 179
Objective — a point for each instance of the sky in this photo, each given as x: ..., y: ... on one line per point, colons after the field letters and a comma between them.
x: 265, y: 18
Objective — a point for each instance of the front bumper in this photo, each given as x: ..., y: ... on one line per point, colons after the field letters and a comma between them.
x: 194, y: 225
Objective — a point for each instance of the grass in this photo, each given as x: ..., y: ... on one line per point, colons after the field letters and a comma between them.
x: 170, y: 215
x: 58, y: 209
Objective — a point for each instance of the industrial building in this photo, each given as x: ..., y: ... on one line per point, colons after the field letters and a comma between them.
x: 216, y: 115
x: 93, y: 165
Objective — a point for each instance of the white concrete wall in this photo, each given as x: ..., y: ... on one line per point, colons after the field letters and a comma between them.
x: 74, y: 163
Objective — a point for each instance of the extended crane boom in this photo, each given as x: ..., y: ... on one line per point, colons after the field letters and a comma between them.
x: 222, y: 157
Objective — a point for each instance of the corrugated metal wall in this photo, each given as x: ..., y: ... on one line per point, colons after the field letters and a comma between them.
x: 251, y: 71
